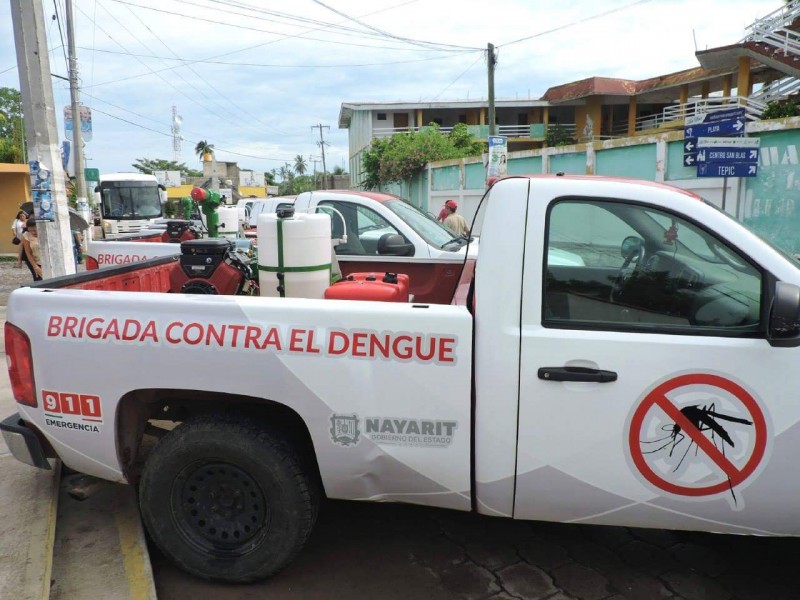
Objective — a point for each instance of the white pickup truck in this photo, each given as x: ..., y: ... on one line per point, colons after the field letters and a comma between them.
x: 651, y: 385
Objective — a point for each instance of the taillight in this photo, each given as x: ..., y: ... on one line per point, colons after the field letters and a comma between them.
x: 20, y: 365
x: 91, y: 264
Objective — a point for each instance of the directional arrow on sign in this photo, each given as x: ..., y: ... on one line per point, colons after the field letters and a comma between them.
x: 688, y: 160
x: 752, y: 170
x: 738, y: 125
x: 688, y: 146
x: 754, y: 154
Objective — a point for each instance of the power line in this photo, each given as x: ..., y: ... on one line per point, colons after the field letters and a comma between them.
x: 154, y: 72
x: 61, y: 33
x: 239, y: 26
x: 217, y: 148
x: 386, y: 33
x: 192, y: 61
x: 585, y: 20
x: 290, y: 19
x: 208, y: 83
x: 141, y: 116
x: 464, y: 72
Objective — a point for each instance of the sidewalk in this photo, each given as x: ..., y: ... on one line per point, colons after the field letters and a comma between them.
x: 53, y: 546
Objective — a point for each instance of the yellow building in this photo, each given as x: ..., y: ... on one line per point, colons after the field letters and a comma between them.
x: 15, y: 189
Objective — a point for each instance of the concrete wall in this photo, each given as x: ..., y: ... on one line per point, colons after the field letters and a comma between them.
x: 769, y: 203
x: 15, y: 185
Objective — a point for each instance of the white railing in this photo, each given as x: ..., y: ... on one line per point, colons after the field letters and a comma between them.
x: 774, y: 31
x: 518, y: 131
x: 778, y: 19
x: 777, y: 90
x: 679, y: 112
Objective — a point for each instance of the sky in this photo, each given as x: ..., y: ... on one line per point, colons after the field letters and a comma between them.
x: 254, y: 77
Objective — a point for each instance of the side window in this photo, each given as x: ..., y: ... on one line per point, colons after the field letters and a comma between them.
x: 371, y: 227
x: 613, y: 265
x: 364, y: 227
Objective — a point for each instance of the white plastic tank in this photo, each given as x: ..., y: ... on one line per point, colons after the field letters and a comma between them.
x: 300, y: 248
x: 228, y: 221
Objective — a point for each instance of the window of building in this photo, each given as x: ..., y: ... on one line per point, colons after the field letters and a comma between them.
x: 381, y: 116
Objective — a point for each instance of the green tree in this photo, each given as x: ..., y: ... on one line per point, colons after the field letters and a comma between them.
x: 337, y: 170
x: 403, y: 155
x: 300, y: 165
x: 202, y: 148
x: 269, y: 177
x: 148, y: 165
x: 558, y: 136
x: 12, y: 126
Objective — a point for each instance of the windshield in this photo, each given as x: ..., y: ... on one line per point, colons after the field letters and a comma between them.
x: 428, y: 228
x: 130, y: 200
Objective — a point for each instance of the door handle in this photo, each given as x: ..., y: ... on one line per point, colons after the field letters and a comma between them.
x: 576, y: 374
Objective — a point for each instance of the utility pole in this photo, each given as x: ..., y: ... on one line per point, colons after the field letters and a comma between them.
x: 314, y: 160
x: 33, y: 62
x: 77, y: 134
x: 491, y: 61
x: 321, y: 143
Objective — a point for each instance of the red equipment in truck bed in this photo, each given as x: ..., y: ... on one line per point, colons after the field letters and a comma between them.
x: 387, y: 287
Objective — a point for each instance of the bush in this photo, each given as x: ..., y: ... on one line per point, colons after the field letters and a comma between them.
x: 403, y: 155
x: 780, y: 110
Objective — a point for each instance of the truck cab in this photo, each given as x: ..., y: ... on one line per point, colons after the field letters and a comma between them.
x: 387, y: 233
x: 129, y: 202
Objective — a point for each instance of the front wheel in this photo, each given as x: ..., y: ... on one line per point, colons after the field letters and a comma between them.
x: 226, y: 499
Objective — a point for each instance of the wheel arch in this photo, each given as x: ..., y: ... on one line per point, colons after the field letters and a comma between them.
x: 167, y: 406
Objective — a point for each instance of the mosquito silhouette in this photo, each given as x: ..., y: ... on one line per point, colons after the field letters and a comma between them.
x: 704, y: 418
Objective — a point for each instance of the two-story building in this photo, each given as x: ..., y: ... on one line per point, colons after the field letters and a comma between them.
x: 764, y: 66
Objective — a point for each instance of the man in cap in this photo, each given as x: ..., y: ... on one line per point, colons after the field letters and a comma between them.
x: 454, y: 221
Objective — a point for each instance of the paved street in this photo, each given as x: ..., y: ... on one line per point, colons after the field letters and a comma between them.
x: 407, y: 552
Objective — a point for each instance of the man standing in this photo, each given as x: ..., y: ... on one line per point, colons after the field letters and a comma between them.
x: 455, y: 222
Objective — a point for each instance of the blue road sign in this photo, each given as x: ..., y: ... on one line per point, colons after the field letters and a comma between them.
x: 727, y: 155
x: 715, y: 116
x: 717, y: 129
x: 727, y: 170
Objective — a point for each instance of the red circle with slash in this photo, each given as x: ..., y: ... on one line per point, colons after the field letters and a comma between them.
x: 733, y: 475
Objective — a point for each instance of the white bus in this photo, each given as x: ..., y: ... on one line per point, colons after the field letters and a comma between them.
x: 129, y: 202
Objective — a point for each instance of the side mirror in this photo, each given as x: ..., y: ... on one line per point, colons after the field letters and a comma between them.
x: 394, y: 244
x: 784, y: 316
x: 631, y: 247
x: 162, y: 187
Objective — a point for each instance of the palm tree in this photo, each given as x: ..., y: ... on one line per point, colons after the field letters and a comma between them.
x: 285, y: 172
x: 203, y: 149
x: 300, y: 165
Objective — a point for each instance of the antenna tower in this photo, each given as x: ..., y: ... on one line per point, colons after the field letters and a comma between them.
x: 176, y: 134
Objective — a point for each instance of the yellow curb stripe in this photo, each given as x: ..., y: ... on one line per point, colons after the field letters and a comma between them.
x: 135, y: 558
x: 52, y: 518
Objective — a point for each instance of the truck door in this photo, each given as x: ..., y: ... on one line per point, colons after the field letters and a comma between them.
x: 647, y: 387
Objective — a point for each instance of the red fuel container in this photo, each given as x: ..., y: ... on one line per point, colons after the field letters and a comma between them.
x: 389, y: 287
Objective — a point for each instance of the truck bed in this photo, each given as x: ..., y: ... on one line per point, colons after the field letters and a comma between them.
x: 147, y: 276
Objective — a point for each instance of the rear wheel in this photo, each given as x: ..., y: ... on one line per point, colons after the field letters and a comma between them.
x: 226, y: 499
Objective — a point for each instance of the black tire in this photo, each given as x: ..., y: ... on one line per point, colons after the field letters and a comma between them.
x: 226, y: 499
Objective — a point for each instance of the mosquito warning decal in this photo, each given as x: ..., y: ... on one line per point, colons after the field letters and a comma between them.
x: 698, y: 435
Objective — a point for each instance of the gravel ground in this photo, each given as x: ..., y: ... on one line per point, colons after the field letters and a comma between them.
x: 11, y: 278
